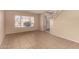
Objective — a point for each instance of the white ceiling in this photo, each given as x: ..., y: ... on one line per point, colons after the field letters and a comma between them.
x: 37, y: 11
x: 42, y: 11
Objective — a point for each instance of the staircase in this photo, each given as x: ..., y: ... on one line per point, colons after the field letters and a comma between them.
x: 51, y: 14
x: 58, y: 12
x: 54, y: 13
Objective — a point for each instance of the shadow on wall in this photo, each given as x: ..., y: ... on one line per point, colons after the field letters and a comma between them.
x: 1, y: 26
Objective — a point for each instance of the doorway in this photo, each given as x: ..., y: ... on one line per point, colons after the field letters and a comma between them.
x: 48, y: 23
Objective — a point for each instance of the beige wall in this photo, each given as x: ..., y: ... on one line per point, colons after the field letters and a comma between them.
x: 42, y: 23
x: 66, y: 25
x: 10, y: 21
x: 1, y: 26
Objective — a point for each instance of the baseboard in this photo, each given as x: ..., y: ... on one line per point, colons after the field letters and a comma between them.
x: 64, y: 37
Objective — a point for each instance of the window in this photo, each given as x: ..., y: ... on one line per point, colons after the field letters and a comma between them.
x: 24, y: 21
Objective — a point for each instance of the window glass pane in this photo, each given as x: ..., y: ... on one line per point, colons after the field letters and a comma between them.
x: 32, y: 21
x: 17, y: 21
x: 24, y: 21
